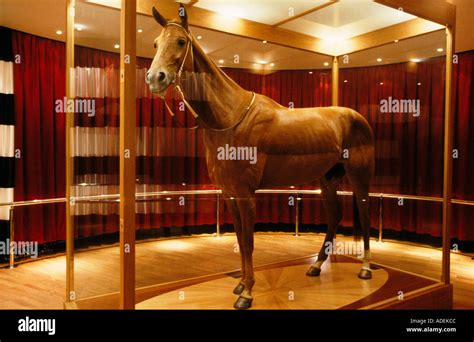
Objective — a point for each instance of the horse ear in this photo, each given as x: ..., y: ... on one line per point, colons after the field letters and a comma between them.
x: 159, y: 18
x: 183, y: 16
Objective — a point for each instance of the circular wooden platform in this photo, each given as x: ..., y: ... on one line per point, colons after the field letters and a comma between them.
x: 279, y: 287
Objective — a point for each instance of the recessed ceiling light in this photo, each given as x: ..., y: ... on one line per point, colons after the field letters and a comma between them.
x: 59, y: 32
x: 272, y: 64
x: 310, y: 72
x: 379, y: 59
x: 439, y: 50
x: 326, y: 63
x: 139, y: 30
x: 264, y: 41
x: 116, y: 46
x: 345, y: 81
x: 262, y: 62
x: 221, y: 61
x: 199, y: 37
x: 395, y: 41
x: 78, y: 27
x: 415, y: 60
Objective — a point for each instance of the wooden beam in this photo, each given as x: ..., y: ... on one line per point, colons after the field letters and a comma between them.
x: 70, y: 294
x: 448, y: 160
x: 206, y: 19
x: 199, y: 17
x: 302, y: 14
x: 127, y: 150
x: 335, y: 81
x: 438, y: 11
x: 408, y: 29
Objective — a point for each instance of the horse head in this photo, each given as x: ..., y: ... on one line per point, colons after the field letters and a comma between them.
x: 173, y: 47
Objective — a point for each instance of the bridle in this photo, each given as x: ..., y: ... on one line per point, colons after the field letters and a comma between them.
x: 177, y: 87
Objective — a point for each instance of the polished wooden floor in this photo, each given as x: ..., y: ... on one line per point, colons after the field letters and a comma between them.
x: 284, y: 287
x: 40, y: 284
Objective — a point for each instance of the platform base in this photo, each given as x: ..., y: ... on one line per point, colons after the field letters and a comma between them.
x: 285, y: 285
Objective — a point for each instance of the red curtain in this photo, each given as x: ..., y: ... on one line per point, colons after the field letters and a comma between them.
x: 463, y: 166
x: 39, y: 137
x: 409, y: 149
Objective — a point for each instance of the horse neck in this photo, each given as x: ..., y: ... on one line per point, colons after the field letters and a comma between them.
x: 217, y: 99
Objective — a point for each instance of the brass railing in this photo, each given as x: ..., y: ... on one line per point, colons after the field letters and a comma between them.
x: 146, y: 196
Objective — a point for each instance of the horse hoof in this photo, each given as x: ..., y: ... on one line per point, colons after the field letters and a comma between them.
x: 243, y: 303
x: 365, y: 274
x: 239, y: 289
x: 313, y: 272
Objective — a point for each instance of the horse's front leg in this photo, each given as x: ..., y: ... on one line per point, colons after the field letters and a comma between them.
x: 246, y: 208
x: 234, y: 210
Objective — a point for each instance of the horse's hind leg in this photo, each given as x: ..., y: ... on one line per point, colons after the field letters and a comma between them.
x: 332, y: 206
x: 234, y: 210
x: 360, y: 178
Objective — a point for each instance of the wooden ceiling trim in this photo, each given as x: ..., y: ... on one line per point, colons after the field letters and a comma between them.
x: 408, y: 29
x: 199, y: 17
x: 440, y: 11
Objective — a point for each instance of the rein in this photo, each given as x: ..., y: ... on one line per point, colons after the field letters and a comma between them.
x: 177, y: 87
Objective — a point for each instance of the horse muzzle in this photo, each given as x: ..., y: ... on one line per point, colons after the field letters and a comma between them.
x: 157, y: 81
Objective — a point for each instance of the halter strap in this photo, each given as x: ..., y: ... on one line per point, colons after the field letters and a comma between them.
x: 181, y: 94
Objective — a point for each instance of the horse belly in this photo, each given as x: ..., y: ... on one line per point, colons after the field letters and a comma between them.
x: 286, y: 170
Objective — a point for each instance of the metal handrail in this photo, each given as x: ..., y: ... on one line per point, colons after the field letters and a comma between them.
x: 33, y: 202
x: 140, y: 195
x: 96, y: 198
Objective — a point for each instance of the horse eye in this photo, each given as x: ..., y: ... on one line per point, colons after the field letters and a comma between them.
x: 154, y: 45
x: 181, y: 42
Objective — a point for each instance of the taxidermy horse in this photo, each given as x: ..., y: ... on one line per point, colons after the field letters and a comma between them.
x: 293, y: 146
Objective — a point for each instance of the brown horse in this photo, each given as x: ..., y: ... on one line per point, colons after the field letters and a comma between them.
x: 291, y: 146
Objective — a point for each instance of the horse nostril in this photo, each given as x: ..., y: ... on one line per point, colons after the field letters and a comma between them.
x: 161, y: 76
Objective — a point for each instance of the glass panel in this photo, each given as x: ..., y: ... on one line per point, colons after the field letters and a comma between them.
x: 399, y: 89
x: 177, y: 199
x: 96, y: 151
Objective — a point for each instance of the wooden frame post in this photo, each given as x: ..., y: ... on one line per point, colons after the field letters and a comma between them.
x: 70, y: 12
x: 448, y: 160
x: 335, y: 81
x: 127, y: 152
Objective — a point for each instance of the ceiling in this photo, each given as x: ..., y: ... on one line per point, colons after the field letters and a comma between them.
x: 342, y: 20
x: 100, y: 28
